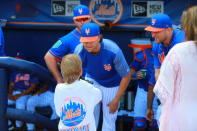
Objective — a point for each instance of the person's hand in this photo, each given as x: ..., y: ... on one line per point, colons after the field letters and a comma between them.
x: 113, y: 106
x: 60, y: 81
x: 149, y: 114
x: 139, y: 75
x: 17, y: 96
x: 11, y: 97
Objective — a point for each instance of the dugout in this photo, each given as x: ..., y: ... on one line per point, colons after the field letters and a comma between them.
x: 32, y: 27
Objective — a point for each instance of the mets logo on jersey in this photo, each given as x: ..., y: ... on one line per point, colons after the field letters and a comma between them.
x: 107, y: 67
x: 73, y: 111
x: 161, y: 57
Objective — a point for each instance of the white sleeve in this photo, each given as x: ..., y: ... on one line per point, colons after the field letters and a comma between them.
x: 167, y: 80
x: 57, y: 100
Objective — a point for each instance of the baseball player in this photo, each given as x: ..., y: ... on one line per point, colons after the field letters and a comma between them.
x: 67, y: 43
x: 43, y: 97
x: 2, y: 50
x: 106, y: 68
x: 165, y: 38
x: 20, y: 88
x: 141, y: 69
x: 75, y: 99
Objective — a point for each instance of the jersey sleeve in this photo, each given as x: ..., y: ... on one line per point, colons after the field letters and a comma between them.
x: 152, y: 81
x: 136, y: 63
x: 121, y: 65
x: 157, y: 63
x: 59, y: 49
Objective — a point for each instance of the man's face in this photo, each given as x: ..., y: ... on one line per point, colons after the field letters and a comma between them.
x: 79, y: 22
x: 160, y: 36
x: 92, y: 47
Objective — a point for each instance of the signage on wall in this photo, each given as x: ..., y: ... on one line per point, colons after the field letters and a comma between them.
x: 63, y: 7
x: 102, y: 10
x: 146, y: 8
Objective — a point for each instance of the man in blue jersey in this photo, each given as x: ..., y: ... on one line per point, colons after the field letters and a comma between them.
x: 21, y: 87
x: 141, y: 70
x: 165, y: 38
x: 2, y: 50
x: 67, y: 43
x: 107, y: 68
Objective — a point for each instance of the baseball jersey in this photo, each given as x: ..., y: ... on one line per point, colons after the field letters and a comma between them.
x: 22, y: 81
x: 75, y: 106
x: 2, y: 50
x: 160, y: 51
x: 65, y: 44
x: 107, y: 67
x: 143, y: 60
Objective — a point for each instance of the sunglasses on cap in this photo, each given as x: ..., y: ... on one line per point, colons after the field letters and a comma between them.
x: 82, y: 19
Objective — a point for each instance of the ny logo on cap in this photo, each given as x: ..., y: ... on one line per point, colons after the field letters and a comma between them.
x: 87, y: 31
x: 80, y: 11
x: 153, y: 21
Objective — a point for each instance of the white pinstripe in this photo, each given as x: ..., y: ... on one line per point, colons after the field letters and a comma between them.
x: 108, y: 95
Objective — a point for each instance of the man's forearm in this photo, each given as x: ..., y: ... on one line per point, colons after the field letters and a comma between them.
x: 150, y: 98
x: 123, y: 86
x: 53, y: 67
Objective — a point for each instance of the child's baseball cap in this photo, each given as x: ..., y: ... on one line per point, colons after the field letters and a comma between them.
x: 90, y: 32
x: 159, y: 22
x: 81, y: 11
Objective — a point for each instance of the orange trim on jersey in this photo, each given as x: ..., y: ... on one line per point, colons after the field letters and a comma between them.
x: 140, y: 46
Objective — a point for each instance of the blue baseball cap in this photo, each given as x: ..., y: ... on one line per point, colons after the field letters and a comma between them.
x: 159, y: 22
x: 81, y: 11
x: 90, y: 32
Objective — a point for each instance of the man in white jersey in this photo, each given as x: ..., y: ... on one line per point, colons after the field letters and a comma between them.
x: 75, y: 99
x: 107, y: 68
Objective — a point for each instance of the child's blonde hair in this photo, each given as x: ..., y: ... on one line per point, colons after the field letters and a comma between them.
x: 71, y: 68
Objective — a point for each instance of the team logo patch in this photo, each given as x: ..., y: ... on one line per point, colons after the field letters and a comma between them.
x: 73, y: 111
x: 161, y: 57
x: 153, y: 21
x: 107, y: 67
x: 87, y: 31
x: 80, y: 11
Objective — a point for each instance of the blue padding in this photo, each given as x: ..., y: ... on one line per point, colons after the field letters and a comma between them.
x: 27, y: 67
x: 139, y: 123
x: 30, y: 117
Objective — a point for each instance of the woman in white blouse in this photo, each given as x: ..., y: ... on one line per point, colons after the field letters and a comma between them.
x: 177, y: 83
